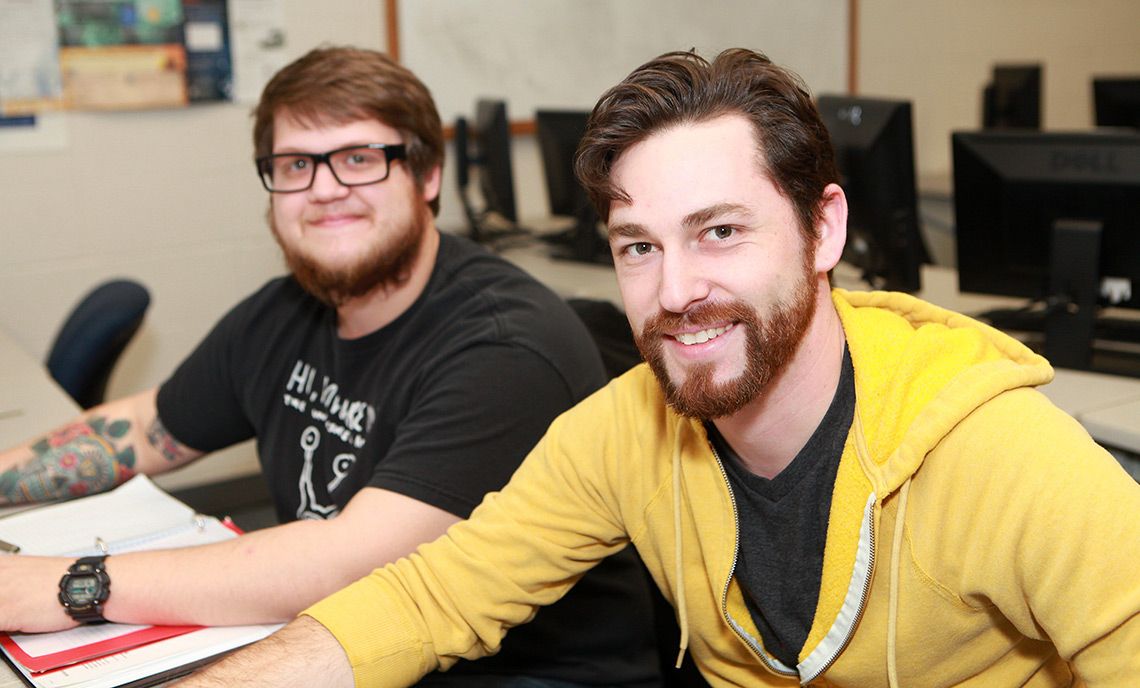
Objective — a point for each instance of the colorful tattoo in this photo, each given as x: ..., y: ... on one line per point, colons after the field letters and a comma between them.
x: 77, y: 460
x: 161, y: 439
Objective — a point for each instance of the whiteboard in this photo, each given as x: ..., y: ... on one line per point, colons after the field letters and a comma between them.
x: 565, y: 53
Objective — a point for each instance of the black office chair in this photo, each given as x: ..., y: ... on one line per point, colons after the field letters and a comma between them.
x: 93, y: 337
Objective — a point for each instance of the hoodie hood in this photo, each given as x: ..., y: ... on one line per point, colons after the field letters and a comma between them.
x: 919, y: 370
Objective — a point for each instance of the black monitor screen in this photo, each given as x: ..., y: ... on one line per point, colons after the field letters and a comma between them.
x: 1011, y: 188
x: 484, y: 146
x: 1116, y: 102
x: 559, y: 132
x: 491, y: 136
x: 1054, y: 217
x: 1012, y: 100
x: 874, y: 150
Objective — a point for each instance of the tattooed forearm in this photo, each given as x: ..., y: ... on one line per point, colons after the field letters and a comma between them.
x: 79, y: 459
x: 161, y: 439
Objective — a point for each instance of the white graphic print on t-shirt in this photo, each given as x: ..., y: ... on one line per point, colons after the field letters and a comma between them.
x: 341, y: 419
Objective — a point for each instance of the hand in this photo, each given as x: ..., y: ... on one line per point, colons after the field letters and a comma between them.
x: 29, y: 594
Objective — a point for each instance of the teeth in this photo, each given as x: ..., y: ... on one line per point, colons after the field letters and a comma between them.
x: 690, y: 338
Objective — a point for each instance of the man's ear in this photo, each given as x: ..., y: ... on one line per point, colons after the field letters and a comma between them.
x: 831, y: 228
x: 432, y: 181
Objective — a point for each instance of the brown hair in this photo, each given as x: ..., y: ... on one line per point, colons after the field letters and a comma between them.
x: 342, y: 85
x: 793, y: 146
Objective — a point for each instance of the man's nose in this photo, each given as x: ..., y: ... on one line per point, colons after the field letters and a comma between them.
x: 325, y: 184
x: 683, y: 282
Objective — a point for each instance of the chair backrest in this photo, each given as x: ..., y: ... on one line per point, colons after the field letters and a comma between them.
x: 93, y: 337
x: 611, y: 333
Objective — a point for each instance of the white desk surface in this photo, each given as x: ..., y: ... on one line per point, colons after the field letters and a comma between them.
x: 30, y: 400
x: 1107, y: 405
x: 1117, y: 425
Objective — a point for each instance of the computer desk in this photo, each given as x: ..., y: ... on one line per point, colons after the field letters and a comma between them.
x: 1107, y: 406
x: 30, y: 400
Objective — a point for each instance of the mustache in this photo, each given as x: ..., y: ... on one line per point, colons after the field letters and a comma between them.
x: 316, y: 216
x: 706, y: 314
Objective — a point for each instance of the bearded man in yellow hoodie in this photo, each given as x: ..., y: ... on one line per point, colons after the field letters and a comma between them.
x: 832, y: 488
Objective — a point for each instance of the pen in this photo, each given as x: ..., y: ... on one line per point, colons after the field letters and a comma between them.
x: 8, y: 547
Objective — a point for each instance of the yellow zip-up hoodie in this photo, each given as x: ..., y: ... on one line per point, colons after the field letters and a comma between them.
x: 977, y: 535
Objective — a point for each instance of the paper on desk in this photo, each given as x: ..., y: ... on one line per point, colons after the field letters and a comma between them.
x: 38, y: 644
x: 71, y: 527
x: 48, y: 651
x: 142, y: 662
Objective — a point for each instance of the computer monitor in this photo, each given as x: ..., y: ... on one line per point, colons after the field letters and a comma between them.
x: 874, y: 151
x: 1012, y: 99
x: 559, y: 132
x: 1116, y: 101
x: 1055, y: 218
x: 484, y: 146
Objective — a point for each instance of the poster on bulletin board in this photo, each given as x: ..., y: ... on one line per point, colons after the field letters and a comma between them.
x: 121, y: 54
x: 134, y: 54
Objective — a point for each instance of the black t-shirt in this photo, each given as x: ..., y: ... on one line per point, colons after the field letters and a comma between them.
x: 783, y: 526
x: 440, y: 405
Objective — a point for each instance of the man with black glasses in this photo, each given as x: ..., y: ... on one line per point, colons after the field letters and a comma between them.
x: 393, y: 379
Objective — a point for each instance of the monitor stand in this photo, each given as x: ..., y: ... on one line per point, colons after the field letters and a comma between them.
x: 492, y: 235
x: 582, y: 242
x: 1074, y: 285
x: 1072, y: 332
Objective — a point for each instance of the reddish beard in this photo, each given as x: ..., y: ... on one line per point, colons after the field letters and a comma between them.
x: 770, y: 343
x: 382, y: 264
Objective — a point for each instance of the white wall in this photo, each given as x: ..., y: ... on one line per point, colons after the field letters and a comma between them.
x: 565, y: 53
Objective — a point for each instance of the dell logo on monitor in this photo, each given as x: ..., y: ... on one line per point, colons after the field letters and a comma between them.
x: 1083, y: 160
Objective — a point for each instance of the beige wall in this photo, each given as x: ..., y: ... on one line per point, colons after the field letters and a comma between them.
x: 939, y: 55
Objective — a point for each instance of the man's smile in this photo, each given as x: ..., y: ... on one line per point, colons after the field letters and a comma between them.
x: 702, y: 336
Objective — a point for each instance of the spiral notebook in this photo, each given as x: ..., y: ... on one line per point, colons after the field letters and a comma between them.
x: 135, y: 516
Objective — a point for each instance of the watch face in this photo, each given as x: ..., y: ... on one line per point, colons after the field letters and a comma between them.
x: 82, y: 589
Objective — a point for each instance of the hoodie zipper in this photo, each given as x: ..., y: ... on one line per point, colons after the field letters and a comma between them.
x: 759, y: 652
x: 862, y: 606
x: 756, y: 649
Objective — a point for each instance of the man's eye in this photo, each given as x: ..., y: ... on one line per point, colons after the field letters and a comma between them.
x: 639, y: 249
x: 722, y: 232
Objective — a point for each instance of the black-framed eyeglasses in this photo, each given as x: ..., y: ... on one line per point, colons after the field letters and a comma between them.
x: 351, y: 166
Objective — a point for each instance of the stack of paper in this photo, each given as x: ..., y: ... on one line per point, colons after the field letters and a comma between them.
x: 135, y: 516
